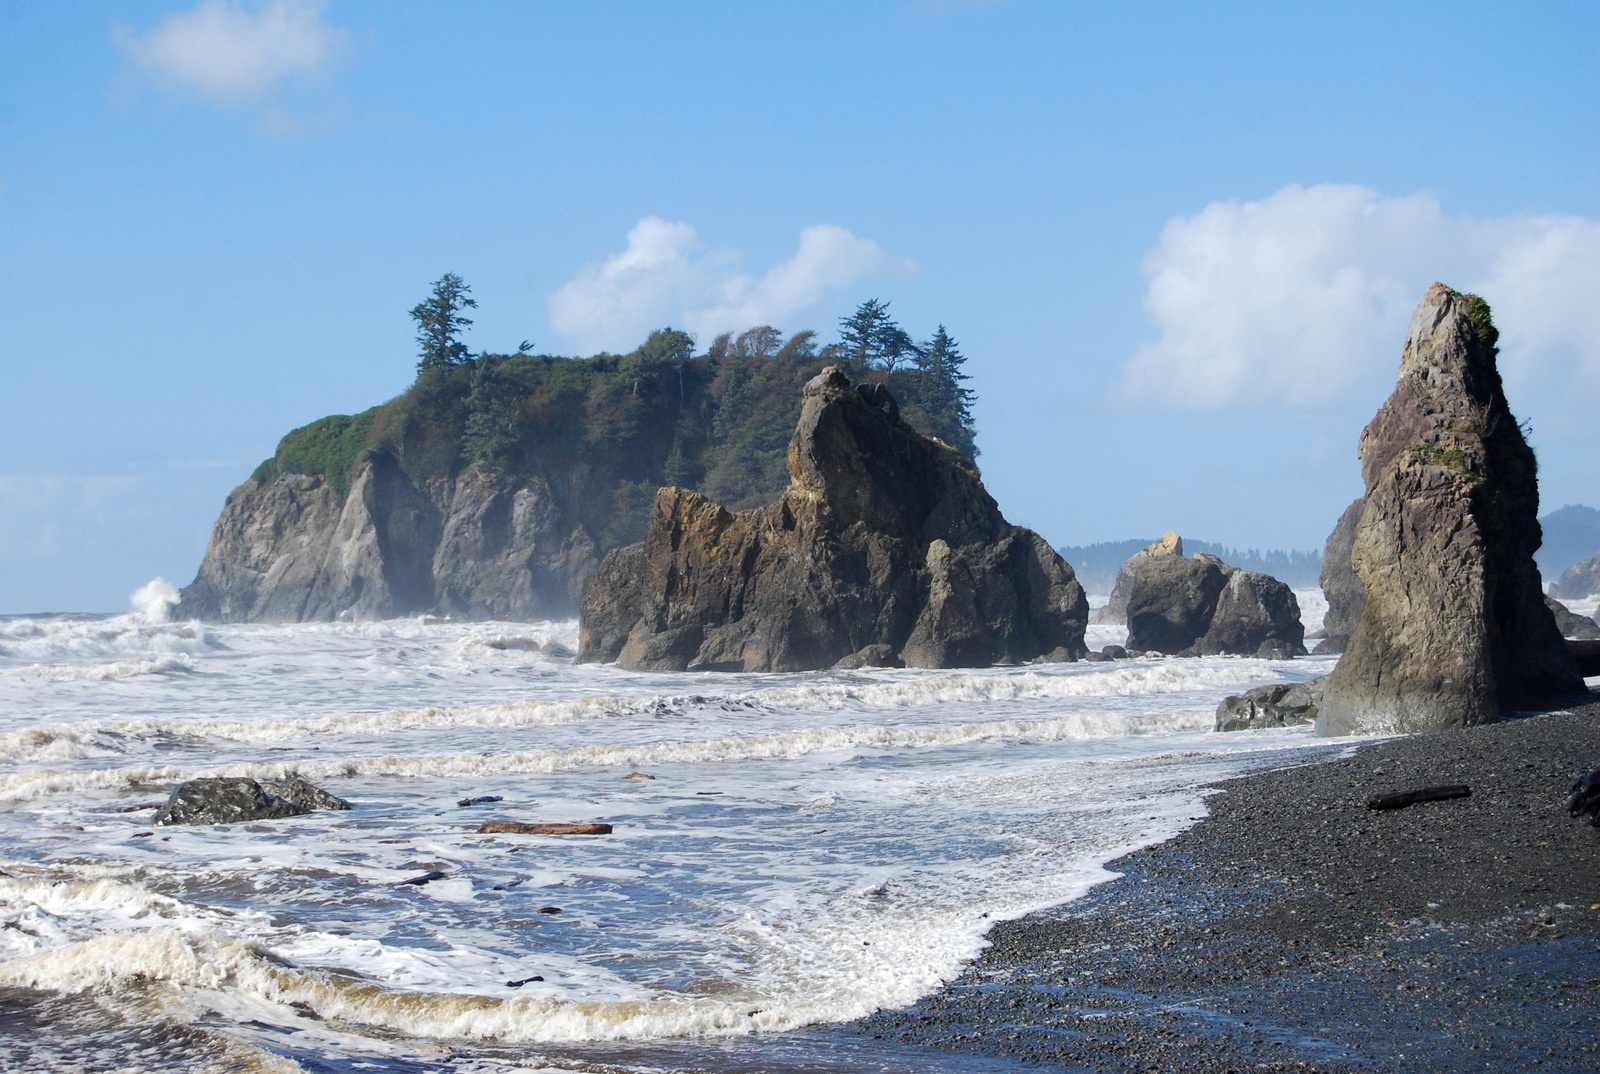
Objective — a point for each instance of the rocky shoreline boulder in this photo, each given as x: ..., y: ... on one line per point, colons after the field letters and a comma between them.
x: 1570, y: 623
x: 885, y: 549
x: 1453, y: 625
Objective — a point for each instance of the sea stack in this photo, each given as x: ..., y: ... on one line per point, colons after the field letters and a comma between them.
x: 885, y: 550
x: 1453, y: 624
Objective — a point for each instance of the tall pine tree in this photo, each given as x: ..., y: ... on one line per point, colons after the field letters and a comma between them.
x: 439, y: 323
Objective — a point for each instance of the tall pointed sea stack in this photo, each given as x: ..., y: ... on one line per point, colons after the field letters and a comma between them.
x: 886, y: 549
x: 1453, y: 623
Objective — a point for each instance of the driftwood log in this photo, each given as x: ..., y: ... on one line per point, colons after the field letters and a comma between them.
x: 1401, y: 799
x: 521, y: 827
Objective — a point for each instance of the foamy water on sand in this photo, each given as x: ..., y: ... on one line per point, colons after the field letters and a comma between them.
x: 810, y: 847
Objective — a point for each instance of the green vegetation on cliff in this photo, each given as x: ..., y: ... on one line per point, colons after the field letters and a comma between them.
x: 607, y: 431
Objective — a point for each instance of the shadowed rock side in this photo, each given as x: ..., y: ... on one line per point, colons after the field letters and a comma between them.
x: 1115, y: 613
x: 1453, y: 623
x: 1339, y: 582
x: 885, y: 549
x: 484, y: 545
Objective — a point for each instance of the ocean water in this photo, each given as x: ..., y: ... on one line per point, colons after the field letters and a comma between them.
x: 789, y: 851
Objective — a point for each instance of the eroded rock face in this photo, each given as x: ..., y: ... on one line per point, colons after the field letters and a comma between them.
x: 237, y: 800
x: 1453, y: 624
x: 1115, y: 613
x: 1339, y: 581
x: 885, y: 549
x: 485, y: 545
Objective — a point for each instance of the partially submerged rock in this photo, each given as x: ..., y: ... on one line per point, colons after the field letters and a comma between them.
x: 1339, y: 581
x: 1203, y: 607
x: 885, y: 549
x: 239, y: 799
x: 1453, y: 625
x: 1279, y: 705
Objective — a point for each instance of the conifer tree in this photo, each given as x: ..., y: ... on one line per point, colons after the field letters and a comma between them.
x: 439, y: 323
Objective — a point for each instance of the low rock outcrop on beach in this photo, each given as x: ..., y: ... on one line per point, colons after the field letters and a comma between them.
x: 239, y: 799
x: 1278, y: 705
x: 885, y: 549
x: 1201, y: 605
x: 1453, y: 625
x: 1339, y: 581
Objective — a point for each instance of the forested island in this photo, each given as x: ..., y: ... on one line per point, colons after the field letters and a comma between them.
x: 496, y: 482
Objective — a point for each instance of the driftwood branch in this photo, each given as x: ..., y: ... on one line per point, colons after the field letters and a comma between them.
x: 1401, y: 799
x: 519, y: 827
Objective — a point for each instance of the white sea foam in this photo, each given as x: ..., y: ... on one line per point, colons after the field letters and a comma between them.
x: 33, y: 783
x: 734, y: 881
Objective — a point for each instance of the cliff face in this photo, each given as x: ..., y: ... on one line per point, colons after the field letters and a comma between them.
x: 885, y: 549
x: 484, y: 544
x: 1453, y: 625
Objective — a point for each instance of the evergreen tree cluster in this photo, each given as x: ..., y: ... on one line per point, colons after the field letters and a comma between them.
x: 607, y: 431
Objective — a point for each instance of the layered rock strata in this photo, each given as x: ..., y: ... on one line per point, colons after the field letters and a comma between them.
x: 885, y: 549
x: 485, y: 545
x: 1453, y: 626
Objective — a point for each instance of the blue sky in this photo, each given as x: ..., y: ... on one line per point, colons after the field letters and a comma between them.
x: 1179, y: 243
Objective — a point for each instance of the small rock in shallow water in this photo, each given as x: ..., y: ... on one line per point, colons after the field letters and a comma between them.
x: 301, y: 793
x: 483, y: 800
x: 520, y: 827
x: 638, y: 775
x: 224, y: 800
x: 425, y: 878
x: 525, y: 980
x: 549, y: 909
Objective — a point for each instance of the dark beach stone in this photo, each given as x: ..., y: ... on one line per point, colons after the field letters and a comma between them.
x: 425, y: 878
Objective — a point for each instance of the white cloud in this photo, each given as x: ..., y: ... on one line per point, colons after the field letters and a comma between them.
x: 615, y: 303
x: 1296, y: 299
x: 232, y: 54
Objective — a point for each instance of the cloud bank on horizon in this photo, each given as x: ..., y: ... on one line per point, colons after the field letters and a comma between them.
x: 613, y: 304
x: 1299, y: 298
x: 230, y: 55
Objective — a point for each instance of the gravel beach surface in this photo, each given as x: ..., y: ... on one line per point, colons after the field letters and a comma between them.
x: 1294, y: 929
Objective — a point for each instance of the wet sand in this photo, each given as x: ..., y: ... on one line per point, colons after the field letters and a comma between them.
x: 1294, y: 929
